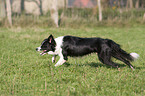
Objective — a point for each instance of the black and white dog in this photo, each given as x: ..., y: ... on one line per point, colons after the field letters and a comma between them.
x: 75, y: 46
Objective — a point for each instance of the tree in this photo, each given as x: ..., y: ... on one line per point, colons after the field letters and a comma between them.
x: 144, y: 16
x: 39, y: 4
x: 100, y: 10
x: 2, y: 9
x: 142, y: 3
x: 137, y: 4
x: 54, y: 12
x: 9, y: 12
x: 131, y: 4
x: 22, y: 5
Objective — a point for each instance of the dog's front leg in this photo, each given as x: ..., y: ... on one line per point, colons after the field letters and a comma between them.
x: 63, y: 58
x: 53, y: 58
x: 60, y: 62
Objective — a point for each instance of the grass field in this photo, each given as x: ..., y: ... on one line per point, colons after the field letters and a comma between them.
x: 23, y: 72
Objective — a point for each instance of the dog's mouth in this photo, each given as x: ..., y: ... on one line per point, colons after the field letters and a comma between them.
x: 44, y: 52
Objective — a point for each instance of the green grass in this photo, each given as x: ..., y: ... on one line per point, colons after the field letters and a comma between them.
x: 24, y: 72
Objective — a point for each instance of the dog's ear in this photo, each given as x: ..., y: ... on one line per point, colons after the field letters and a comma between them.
x: 51, y: 40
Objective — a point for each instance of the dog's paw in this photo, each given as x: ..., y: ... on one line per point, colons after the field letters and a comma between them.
x: 53, y: 59
x: 60, y: 62
x: 57, y: 65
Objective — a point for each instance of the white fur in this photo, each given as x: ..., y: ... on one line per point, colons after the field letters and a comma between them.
x: 38, y: 48
x: 58, y: 48
x: 134, y: 56
x: 51, y: 53
x: 59, y: 42
x: 58, y: 51
x: 132, y: 68
x: 53, y: 58
x: 61, y: 60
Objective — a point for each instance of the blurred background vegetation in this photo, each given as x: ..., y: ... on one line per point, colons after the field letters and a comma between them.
x: 71, y: 13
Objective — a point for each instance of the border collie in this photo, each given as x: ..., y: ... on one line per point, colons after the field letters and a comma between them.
x: 65, y: 46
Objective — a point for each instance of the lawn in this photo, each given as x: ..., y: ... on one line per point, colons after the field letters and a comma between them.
x: 23, y: 72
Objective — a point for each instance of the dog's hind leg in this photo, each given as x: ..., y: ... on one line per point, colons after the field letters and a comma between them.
x: 108, y: 62
x: 123, y: 60
x: 105, y: 58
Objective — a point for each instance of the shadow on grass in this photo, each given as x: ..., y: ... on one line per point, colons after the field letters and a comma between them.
x: 104, y: 65
x: 93, y: 64
x: 139, y: 67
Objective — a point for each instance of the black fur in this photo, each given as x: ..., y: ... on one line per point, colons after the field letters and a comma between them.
x: 76, y: 46
x: 48, y: 44
x: 105, y: 48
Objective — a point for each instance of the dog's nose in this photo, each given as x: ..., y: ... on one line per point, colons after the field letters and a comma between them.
x: 36, y: 49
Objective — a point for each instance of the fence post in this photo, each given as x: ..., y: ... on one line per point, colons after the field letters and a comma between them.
x: 2, y: 9
x: 100, y: 10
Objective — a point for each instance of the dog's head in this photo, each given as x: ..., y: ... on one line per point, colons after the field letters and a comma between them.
x: 47, y: 45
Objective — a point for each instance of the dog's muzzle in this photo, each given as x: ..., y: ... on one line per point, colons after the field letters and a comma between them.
x: 38, y: 49
x: 43, y: 52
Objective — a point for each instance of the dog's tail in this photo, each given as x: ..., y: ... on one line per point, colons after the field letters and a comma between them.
x: 117, y: 51
x: 134, y: 56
